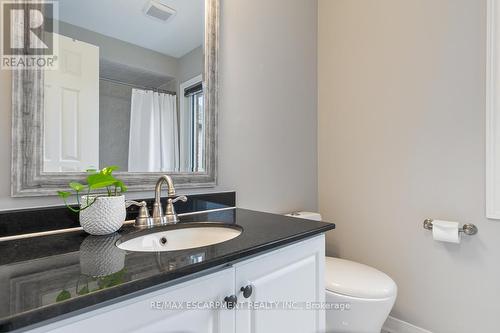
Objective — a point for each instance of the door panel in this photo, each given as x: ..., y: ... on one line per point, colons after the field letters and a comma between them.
x: 71, y: 109
x: 293, y: 277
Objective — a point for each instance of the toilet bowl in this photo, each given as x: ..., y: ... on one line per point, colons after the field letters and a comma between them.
x: 358, y: 297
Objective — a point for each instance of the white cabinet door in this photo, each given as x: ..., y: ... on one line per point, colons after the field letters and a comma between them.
x: 71, y: 109
x: 148, y: 313
x: 293, y: 275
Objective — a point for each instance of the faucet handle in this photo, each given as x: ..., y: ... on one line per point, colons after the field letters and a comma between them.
x: 182, y: 198
x: 129, y: 203
x: 171, y: 215
x: 143, y: 219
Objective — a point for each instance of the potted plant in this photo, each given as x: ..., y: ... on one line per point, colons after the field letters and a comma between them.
x: 102, y: 265
x: 100, y: 213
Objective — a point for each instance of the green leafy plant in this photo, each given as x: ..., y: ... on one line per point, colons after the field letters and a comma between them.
x: 96, y: 182
x: 99, y: 283
x: 112, y: 280
x: 63, y: 295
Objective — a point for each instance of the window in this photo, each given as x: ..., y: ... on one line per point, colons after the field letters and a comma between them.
x: 192, y: 129
x: 198, y: 130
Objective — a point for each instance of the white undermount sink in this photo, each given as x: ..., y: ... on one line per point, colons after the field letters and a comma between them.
x: 183, y: 238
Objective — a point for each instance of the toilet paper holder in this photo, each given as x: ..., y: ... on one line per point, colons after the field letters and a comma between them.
x: 468, y: 229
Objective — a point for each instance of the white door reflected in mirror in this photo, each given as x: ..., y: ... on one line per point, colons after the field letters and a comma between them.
x: 71, y: 109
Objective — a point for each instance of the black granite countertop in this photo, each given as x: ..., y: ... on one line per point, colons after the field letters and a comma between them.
x: 45, y: 277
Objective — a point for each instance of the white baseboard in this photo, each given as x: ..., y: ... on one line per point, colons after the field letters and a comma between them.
x: 394, y: 325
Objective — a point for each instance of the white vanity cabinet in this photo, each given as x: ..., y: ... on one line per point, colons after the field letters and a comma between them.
x: 292, y: 274
x: 285, y: 281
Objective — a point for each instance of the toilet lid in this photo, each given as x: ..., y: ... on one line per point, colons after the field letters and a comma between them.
x: 357, y: 280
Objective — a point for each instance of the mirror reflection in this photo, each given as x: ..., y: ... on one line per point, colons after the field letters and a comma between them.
x: 128, y: 90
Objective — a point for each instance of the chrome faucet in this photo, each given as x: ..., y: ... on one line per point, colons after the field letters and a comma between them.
x: 159, y: 218
x: 170, y: 217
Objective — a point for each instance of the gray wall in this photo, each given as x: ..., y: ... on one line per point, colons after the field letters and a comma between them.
x: 401, y: 139
x: 190, y: 65
x: 267, y: 117
x: 124, y: 53
x: 114, y: 124
x: 268, y: 103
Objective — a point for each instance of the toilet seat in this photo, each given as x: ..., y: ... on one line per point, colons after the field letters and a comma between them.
x: 353, y: 279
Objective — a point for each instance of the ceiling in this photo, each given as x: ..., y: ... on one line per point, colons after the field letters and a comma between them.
x: 125, y: 20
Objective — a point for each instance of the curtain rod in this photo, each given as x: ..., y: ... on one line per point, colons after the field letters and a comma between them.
x: 138, y: 86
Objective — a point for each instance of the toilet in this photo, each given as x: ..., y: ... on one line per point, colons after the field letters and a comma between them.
x: 358, y: 297
x: 361, y: 297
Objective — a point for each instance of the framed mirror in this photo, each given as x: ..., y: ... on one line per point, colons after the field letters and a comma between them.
x: 135, y: 85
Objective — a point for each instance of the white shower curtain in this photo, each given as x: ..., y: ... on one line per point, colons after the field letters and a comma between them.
x: 153, y: 140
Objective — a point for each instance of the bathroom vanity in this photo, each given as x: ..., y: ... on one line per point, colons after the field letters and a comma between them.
x: 293, y: 274
x: 72, y: 282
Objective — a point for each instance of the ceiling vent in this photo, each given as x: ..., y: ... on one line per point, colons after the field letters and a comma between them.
x: 159, y: 11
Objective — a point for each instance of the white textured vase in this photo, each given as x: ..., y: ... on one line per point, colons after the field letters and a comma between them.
x: 99, y: 256
x: 105, y: 216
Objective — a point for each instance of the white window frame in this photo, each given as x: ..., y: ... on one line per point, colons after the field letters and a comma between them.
x: 493, y: 111
x: 183, y: 108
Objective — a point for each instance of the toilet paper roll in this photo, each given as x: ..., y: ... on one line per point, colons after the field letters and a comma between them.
x: 445, y: 231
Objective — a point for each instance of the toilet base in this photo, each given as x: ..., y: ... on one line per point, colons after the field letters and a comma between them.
x: 360, y: 315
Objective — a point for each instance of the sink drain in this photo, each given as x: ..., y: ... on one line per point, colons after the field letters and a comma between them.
x: 163, y: 240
